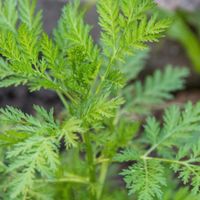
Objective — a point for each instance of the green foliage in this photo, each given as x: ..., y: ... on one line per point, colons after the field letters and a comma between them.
x: 74, y: 32
x: 127, y: 155
x: 156, y: 88
x: 138, y: 61
x: 9, y: 15
x: 189, y: 173
x: 118, y: 195
x: 181, y: 194
x: 51, y: 156
x: 21, y: 50
x: 179, y: 127
x: 43, y: 124
x: 182, y: 32
x: 145, y: 178
x: 98, y: 108
x: 37, y: 154
x: 29, y: 17
x: 125, y: 27
x: 69, y: 130
x: 33, y: 152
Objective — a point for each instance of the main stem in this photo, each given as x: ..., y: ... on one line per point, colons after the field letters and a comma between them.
x: 90, y: 157
x: 89, y: 150
x: 91, y: 164
x: 102, y: 178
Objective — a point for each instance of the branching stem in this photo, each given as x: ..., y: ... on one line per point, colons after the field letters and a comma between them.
x: 185, y: 163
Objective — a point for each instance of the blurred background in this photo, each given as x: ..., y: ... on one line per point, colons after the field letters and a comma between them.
x: 180, y: 47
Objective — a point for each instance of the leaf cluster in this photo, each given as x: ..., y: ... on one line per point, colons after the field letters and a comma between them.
x: 67, y: 156
x: 179, y: 128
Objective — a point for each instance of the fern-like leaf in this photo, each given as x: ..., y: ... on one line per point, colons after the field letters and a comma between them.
x: 69, y: 132
x: 98, y: 108
x: 158, y: 87
x: 8, y: 15
x: 74, y: 32
x: 29, y: 17
x: 109, y: 14
x: 146, y: 179
x: 35, y: 154
x: 125, y: 27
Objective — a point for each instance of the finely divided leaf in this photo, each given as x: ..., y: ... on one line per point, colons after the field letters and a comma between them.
x: 29, y: 16
x: 159, y: 86
x: 8, y: 15
x: 146, y: 179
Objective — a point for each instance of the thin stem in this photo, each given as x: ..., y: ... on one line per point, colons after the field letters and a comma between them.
x: 62, y: 98
x: 48, y: 77
x: 95, y: 81
x: 150, y: 150
x: 59, y: 92
x: 166, y: 160
x: 69, y: 96
x: 112, y: 58
x: 102, y: 178
x: 161, y: 141
x: 70, y: 178
x: 184, y: 163
x: 104, y: 76
x: 102, y: 160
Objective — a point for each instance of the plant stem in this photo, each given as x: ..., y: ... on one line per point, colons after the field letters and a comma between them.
x: 182, y: 32
x: 62, y: 98
x: 167, y: 160
x: 183, y: 163
x: 102, y: 160
x: 102, y: 178
x: 91, y: 164
x: 112, y: 59
x: 104, y: 76
x: 59, y: 92
x: 160, y: 142
x: 69, y: 178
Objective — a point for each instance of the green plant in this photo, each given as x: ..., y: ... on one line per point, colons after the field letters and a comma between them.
x: 185, y: 30
x: 68, y: 156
